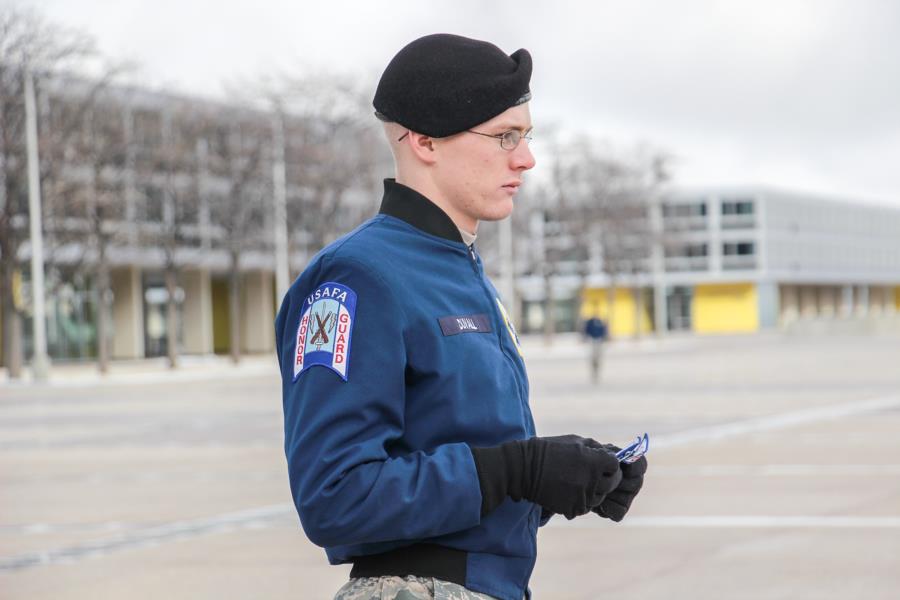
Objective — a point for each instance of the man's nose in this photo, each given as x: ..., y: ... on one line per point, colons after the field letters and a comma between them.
x: 521, y: 157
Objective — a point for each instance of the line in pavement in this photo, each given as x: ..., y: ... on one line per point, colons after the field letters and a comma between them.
x: 253, y: 517
x: 739, y: 521
x: 772, y: 422
x: 785, y: 470
x: 183, y: 529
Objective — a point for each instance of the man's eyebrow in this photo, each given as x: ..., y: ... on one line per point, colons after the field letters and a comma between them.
x: 503, y: 126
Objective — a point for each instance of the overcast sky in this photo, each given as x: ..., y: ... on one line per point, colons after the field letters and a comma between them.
x: 798, y: 94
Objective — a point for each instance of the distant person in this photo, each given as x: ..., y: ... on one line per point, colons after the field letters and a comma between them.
x: 410, y: 443
x: 597, y: 332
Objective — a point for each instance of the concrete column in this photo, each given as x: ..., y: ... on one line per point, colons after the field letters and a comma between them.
x: 828, y: 302
x: 808, y: 302
x: 660, y: 309
x: 128, y: 313
x: 257, y: 312
x: 197, y: 312
x: 846, y: 301
x: 862, y: 300
x: 767, y: 300
x: 876, y: 300
x: 657, y: 262
x: 790, y: 304
x: 887, y: 300
x: 714, y: 220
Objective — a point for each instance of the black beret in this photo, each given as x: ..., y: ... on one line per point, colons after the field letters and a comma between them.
x: 443, y: 84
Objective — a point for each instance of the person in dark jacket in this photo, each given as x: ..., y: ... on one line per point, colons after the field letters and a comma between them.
x: 410, y: 443
x: 596, y: 331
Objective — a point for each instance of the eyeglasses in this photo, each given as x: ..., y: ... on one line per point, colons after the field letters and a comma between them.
x: 509, y: 140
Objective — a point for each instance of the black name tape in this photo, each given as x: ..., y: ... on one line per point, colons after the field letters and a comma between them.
x: 465, y: 324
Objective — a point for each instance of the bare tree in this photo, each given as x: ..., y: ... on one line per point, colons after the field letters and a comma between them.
x: 167, y: 166
x: 29, y: 43
x: 316, y: 135
x: 105, y: 153
x: 84, y: 189
x: 240, y: 157
x: 333, y: 152
x: 599, y: 210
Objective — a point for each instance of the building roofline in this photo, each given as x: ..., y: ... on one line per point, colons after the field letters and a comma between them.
x: 679, y: 192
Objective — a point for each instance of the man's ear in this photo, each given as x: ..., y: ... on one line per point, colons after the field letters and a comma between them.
x: 422, y: 147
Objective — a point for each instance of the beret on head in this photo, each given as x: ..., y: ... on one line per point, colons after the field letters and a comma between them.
x: 443, y: 84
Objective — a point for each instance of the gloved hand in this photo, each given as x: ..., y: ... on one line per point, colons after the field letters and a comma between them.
x: 617, y: 502
x: 566, y: 474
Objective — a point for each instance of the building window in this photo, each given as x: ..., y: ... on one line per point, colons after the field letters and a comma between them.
x: 739, y: 255
x: 738, y: 214
x: 187, y: 211
x: 686, y: 250
x: 692, y: 209
x: 150, y: 205
x: 738, y: 249
x: 737, y: 207
x: 687, y: 257
x: 684, y: 216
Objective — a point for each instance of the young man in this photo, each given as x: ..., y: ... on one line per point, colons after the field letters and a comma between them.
x: 410, y: 443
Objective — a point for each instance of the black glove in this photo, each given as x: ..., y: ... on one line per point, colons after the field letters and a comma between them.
x: 617, y: 502
x: 566, y: 474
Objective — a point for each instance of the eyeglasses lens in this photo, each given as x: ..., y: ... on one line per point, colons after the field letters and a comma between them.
x: 510, y: 139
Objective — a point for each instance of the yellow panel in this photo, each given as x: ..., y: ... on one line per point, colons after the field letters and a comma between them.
x: 725, y: 308
x: 221, y: 317
x: 621, y: 318
x: 897, y: 297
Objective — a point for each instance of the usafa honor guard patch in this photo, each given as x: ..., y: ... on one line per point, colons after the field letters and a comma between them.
x: 323, y: 336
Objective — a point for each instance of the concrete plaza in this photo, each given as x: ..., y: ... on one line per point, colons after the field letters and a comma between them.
x: 774, y: 473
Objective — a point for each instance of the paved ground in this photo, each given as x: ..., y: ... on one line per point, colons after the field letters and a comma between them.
x: 774, y: 473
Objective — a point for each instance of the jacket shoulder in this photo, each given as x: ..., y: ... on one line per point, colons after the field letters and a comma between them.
x: 359, y: 253
x: 376, y: 246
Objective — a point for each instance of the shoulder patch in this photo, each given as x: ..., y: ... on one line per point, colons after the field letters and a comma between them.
x: 326, y: 324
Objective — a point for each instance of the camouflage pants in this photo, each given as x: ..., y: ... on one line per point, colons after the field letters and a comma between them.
x: 405, y: 588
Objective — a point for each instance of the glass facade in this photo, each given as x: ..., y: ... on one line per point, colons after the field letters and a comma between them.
x: 156, y: 299
x: 71, y: 308
x: 678, y: 305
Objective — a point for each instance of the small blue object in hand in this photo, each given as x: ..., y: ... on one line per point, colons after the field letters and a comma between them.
x: 635, y: 450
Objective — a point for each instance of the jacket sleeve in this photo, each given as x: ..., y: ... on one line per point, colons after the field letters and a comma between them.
x: 350, y: 482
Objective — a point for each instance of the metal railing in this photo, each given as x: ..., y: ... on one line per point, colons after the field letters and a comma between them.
x: 687, y: 263
x: 744, y: 221
x: 738, y: 261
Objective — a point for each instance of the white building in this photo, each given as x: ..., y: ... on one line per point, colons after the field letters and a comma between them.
x: 729, y: 260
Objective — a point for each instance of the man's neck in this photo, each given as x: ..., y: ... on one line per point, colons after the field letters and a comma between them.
x: 427, y: 188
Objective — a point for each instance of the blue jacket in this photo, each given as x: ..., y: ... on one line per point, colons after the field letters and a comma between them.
x: 396, y: 357
x: 596, y: 329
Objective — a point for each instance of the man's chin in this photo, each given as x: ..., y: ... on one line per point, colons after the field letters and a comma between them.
x: 499, y: 212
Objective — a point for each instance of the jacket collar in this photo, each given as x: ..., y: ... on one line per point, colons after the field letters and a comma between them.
x: 408, y: 205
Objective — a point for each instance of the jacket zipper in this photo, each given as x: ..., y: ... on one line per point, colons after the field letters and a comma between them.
x: 526, y: 413
x: 528, y: 419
